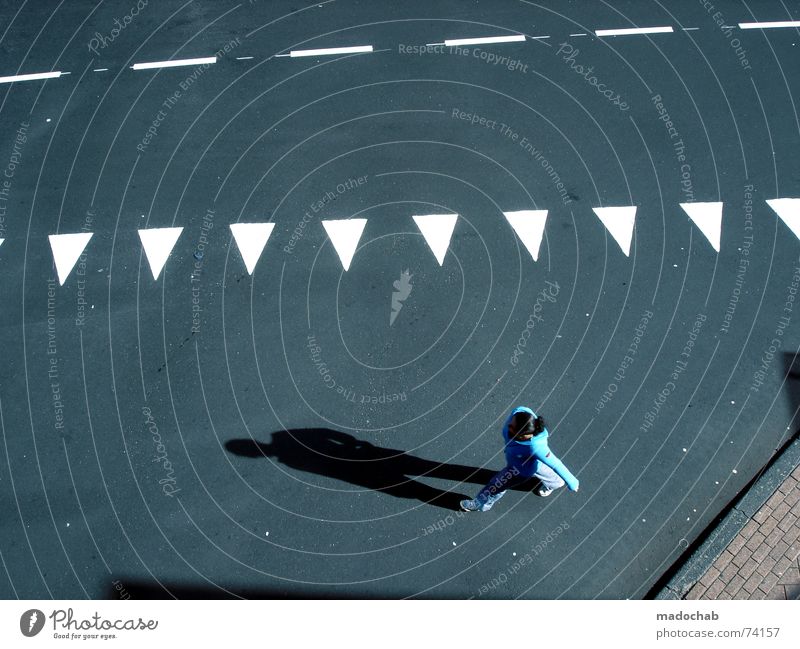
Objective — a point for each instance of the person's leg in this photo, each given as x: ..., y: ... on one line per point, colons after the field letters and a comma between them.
x: 494, y: 490
x: 549, y: 478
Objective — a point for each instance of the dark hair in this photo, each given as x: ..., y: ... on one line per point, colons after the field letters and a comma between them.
x: 526, y: 424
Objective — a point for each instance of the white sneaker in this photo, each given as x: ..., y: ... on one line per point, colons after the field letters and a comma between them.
x: 544, y: 493
x: 474, y: 506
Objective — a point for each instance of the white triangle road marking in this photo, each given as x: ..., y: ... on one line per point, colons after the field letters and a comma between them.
x: 707, y: 217
x: 789, y: 211
x: 158, y: 244
x: 67, y: 248
x: 619, y: 221
x: 345, y: 235
x: 1, y: 241
x: 437, y: 230
x: 529, y: 226
x: 251, y: 239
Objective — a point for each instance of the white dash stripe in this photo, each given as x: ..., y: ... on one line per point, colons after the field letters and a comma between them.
x: 174, y: 64
x: 582, y: 34
x: 540, y: 37
x: 772, y: 25
x: 243, y: 58
x: 100, y: 70
x: 690, y: 29
x: 635, y: 30
x: 484, y: 41
x: 31, y: 77
x: 332, y: 50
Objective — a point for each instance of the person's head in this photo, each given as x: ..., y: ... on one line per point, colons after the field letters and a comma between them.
x: 523, y: 423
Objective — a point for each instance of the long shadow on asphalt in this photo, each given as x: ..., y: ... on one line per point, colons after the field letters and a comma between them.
x: 341, y: 456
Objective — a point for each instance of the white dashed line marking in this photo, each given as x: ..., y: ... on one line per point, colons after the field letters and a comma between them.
x: 635, y: 30
x: 485, y: 41
x: 243, y: 58
x: 579, y: 34
x: 536, y: 37
x: 31, y: 77
x: 772, y: 25
x: 690, y: 29
x: 331, y: 50
x: 174, y: 64
x: 100, y: 70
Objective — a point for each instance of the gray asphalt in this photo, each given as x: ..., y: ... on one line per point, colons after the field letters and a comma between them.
x: 216, y: 434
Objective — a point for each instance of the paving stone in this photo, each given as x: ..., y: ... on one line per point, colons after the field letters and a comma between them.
x: 762, y: 515
x: 728, y: 573
x: 742, y: 556
x: 769, y: 581
x: 712, y: 574
x: 753, y: 582
x: 723, y: 560
x: 765, y: 565
x: 791, y: 576
x: 760, y: 553
x: 774, y: 499
x: 776, y: 593
x: 755, y: 540
x: 715, y: 589
x: 734, y: 585
x: 780, y: 511
x: 779, y: 550
x: 788, y: 484
x: 768, y: 525
x: 751, y: 527
x: 775, y: 536
x: 748, y: 568
x: 787, y: 523
x: 737, y: 544
x: 696, y: 592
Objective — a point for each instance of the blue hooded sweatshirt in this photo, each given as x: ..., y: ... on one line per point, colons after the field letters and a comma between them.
x: 525, y: 455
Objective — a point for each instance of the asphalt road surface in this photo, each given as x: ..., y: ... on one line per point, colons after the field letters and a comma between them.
x: 560, y: 217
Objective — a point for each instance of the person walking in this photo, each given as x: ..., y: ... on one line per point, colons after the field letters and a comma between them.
x: 527, y: 456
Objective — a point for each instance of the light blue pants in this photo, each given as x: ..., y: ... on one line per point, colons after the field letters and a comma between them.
x: 510, y: 476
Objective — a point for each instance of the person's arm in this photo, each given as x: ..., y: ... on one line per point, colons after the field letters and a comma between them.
x: 547, y: 457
